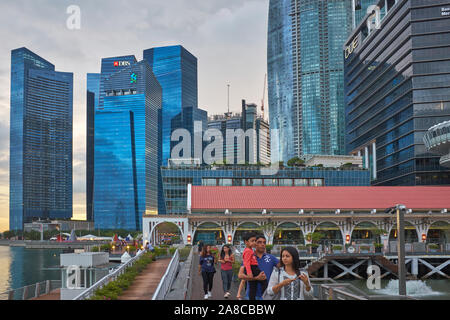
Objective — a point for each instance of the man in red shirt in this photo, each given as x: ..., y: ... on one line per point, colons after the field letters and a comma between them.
x: 251, y: 265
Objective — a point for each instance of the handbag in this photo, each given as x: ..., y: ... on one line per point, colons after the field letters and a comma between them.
x: 267, y: 296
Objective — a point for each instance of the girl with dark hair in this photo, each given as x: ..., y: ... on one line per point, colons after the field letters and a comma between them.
x: 288, y: 282
x: 226, y: 268
x: 207, y: 270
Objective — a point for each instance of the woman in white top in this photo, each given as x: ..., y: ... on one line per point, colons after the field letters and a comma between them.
x: 288, y: 282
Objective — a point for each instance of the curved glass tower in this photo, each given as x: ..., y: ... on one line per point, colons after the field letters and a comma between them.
x: 279, y: 69
x: 306, y: 75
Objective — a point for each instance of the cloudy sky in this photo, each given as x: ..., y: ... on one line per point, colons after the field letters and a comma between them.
x: 228, y: 37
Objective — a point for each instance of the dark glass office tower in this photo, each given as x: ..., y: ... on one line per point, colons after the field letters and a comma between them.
x: 126, y: 160
x: 397, y: 82
x: 360, y: 12
x: 109, y: 67
x: 40, y: 140
x: 92, y: 100
x: 306, y: 75
x: 176, y: 70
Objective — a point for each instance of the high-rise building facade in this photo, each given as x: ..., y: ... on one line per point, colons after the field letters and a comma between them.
x: 306, y: 75
x: 397, y: 86
x: 92, y: 101
x: 127, y: 149
x: 176, y: 70
x: 256, y: 146
x: 40, y: 140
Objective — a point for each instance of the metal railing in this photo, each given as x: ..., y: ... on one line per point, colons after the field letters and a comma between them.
x: 32, y: 291
x: 108, y: 278
x: 166, y: 281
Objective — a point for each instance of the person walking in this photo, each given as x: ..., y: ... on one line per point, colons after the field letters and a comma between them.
x: 266, y: 263
x: 207, y: 270
x: 289, y: 282
x: 226, y: 268
x: 251, y: 267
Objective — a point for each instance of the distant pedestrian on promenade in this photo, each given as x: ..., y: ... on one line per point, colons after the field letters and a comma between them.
x: 207, y: 270
x: 226, y: 268
x: 200, y: 246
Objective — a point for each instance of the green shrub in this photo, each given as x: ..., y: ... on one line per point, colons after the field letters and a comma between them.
x: 105, y: 247
x: 433, y: 246
x: 337, y: 247
x: 172, y: 251
x: 269, y: 246
x: 94, y: 249
x: 301, y: 247
x: 114, y: 289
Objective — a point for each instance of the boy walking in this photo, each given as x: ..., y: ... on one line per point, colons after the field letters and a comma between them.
x: 251, y: 265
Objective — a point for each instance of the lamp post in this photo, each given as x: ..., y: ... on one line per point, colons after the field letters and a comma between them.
x: 400, y: 209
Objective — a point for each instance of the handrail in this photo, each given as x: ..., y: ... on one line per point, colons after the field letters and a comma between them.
x: 32, y: 291
x: 108, y: 278
x: 168, y: 277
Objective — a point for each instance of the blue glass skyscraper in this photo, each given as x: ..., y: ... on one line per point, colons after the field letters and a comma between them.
x: 127, y: 148
x: 92, y: 100
x: 176, y: 70
x: 306, y: 75
x: 40, y: 140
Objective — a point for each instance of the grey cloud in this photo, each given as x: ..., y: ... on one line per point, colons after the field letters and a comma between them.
x: 228, y: 38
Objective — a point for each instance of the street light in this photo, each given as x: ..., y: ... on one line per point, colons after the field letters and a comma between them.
x: 400, y: 209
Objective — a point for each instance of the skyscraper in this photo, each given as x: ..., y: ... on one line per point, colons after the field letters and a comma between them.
x: 40, y: 140
x: 176, y: 70
x: 306, y: 75
x: 256, y: 146
x: 397, y: 75
x: 127, y: 148
x: 92, y: 100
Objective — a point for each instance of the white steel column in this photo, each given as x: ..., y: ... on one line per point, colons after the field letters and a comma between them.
x: 374, y: 160
x: 366, y: 156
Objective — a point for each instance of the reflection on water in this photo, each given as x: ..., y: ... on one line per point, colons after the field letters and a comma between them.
x: 21, y: 267
x: 432, y: 289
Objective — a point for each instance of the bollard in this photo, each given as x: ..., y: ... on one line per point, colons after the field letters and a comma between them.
x: 25, y: 293
x: 37, y: 289
x: 47, y: 286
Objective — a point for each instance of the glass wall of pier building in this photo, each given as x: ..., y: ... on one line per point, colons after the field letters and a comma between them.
x: 306, y: 75
x: 177, y: 178
x: 126, y: 160
x: 40, y: 140
x: 397, y: 85
x: 176, y: 70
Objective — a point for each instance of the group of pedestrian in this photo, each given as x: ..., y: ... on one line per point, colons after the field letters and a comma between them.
x: 266, y: 277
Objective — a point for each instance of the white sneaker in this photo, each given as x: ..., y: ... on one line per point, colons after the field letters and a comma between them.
x: 209, y: 294
x: 225, y: 295
x: 206, y: 296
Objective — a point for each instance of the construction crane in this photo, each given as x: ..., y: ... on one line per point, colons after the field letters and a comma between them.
x: 264, y: 95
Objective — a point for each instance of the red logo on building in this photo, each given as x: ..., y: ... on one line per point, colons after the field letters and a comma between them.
x: 116, y: 63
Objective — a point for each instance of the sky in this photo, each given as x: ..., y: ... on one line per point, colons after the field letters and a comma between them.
x: 228, y: 37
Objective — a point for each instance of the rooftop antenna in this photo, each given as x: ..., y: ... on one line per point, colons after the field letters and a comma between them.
x: 228, y: 113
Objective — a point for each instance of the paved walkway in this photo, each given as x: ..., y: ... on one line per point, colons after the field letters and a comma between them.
x: 217, y: 290
x: 145, y: 284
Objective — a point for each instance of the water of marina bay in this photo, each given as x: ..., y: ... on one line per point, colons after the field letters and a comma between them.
x: 429, y: 289
x: 21, y: 267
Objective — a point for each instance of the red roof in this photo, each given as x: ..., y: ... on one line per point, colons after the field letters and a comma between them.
x: 319, y: 198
